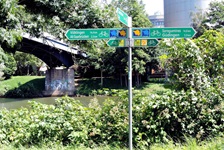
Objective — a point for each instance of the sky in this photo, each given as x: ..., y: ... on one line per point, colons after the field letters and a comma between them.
x: 152, y: 6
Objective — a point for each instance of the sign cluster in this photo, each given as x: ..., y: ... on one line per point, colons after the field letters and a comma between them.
x: 143, y: 37
x: 121, y: 37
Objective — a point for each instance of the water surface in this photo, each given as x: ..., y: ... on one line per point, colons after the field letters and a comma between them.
x: 15, y: 103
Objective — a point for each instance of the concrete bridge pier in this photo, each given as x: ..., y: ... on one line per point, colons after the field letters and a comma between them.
x: 59, y: 82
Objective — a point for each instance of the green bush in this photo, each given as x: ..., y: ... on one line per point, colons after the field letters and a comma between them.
x: 156, y: 118
x: 176, y: 114
x: 65, y: 122
x: 114, y: 122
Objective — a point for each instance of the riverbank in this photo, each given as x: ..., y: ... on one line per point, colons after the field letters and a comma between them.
x: 32, y: 86
x: 20, y: 83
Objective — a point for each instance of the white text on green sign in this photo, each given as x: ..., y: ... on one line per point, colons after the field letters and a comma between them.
x: 122, y: 16
x: 145, y: 42
x: 139, y: 33
x: 94, y: 34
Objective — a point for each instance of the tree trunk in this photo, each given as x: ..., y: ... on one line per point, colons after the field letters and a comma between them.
x: 140, y: 79
x: 101, y: 76
x: 125, y: 79
x: 28, y: 69
x: 166, y: 75
x: 137, y: 79
x: 121, y: 79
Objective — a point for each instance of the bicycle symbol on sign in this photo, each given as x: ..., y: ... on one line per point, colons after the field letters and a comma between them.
x: 151, y: 43
x: 155, y: 33
x: 103, y: 34
x: 114, y: 43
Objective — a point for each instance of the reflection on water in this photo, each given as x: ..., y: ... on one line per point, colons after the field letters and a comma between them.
x: 12, y: 103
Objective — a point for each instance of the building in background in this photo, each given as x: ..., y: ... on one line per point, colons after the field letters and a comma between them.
x: 157, y: 19
x: 178, y: 13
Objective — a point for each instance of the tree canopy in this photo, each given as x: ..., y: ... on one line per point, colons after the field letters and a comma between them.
x: 56, y: 17
x: 215, y: 15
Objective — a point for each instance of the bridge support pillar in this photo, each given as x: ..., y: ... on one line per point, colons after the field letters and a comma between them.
x: 59, y: 82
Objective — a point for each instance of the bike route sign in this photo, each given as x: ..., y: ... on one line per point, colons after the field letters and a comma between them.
x: 94, y: 34
x: 117, y: 43
x: 142, y: 33
x: 145, y: 42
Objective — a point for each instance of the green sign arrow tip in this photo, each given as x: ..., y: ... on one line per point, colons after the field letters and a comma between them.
x: 116, y: 43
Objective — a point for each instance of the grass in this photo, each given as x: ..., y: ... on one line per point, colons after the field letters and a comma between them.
x: 190, y: 144
x: 85, y: 86
x: 17, y: 81
x: 150, y: 87
x: 59, y: 147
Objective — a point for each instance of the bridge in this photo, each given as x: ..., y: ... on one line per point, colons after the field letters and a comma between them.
x: 54, y: 53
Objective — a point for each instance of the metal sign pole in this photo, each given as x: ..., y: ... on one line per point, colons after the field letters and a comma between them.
x: 130, y: 80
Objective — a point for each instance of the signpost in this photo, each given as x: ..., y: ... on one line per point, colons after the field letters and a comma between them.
x: 94, y: 34
x: 123, y: 37
x: 172, y: 32
x: 159, y: 33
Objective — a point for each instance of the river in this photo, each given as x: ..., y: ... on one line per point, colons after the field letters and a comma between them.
x: 15, y: 103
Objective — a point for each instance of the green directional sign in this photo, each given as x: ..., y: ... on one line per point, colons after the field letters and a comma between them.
x: 142, y: 33
x: 172, y: 32
x: 94, y: 34
x: 145, y: 42
x: 116, y: 43
x: 122, y: 16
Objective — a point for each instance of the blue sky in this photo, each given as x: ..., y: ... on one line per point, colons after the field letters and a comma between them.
x: 152, y: 6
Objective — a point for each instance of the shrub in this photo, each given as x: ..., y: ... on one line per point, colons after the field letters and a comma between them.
x: 113, y: 122
x: 156, y: 118
x: 65, y: 122
x: 175, y: 114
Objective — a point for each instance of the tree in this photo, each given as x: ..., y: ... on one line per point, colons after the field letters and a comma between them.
x: 212, y: 19
x: 197, y: 63
x: 141, y: 56
x: 55, y: 17
x: 211, y: 44
x: 3, y: 57
x: 25, y: 62
x: 10, y: 66
x: 215, y: 16
x: 99, y: 57
x: 10, y: 26
x: 197, y: 22
x: 7, y: 65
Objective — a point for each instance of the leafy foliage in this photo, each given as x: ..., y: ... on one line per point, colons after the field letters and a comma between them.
x: 215, y: 16
x: 24, y: 62
x: 197, y: 64
x: 175, y: 114
x: 65, y: 122
x: 156, y: 118
x: 10, y: 27
x: 10, y: 66
x: 211, y: 44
